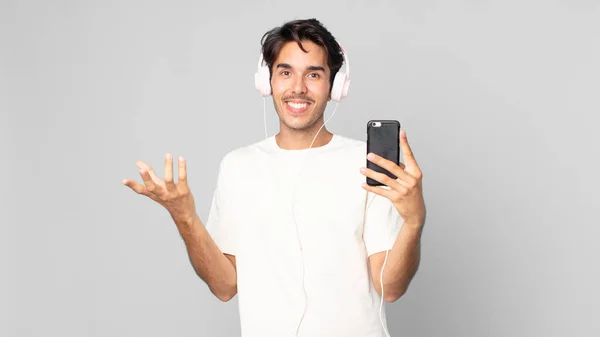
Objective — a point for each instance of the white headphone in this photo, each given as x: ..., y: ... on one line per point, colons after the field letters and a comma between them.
x: 339, y: 89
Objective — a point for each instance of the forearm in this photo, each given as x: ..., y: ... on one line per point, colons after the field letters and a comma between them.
x: 403, y: 262
x: 209, y: 263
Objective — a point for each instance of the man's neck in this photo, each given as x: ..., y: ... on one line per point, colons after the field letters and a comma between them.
x: 300, y: 140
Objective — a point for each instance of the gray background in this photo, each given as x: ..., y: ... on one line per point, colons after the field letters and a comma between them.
x: 499, y: 100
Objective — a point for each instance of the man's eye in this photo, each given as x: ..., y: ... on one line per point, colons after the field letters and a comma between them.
x: 285, y: 73
x: 313, y: 75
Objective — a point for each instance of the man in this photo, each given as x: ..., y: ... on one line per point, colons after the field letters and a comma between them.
x: 293, y: 229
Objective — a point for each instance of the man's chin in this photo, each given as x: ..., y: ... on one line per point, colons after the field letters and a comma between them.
x: 301, y: 122
x: 295, y: 124
x: 296, y: 127
x: 299, y: 125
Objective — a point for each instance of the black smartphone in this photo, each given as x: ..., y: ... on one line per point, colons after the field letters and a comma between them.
x: 383, y: 139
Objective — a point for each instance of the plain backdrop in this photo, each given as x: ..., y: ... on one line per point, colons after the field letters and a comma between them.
x: 499, y: 100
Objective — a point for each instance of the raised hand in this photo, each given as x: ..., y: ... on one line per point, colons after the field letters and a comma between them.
x: 176, y: 198
x: 406, y: 192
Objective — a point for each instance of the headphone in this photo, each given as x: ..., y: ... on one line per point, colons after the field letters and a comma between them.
x: 339, y: 89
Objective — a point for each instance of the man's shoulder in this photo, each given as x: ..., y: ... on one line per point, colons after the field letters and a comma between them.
x: 349, y: 141
x: 349, y: 147
x: 246, y: 152
x: 260, y: 150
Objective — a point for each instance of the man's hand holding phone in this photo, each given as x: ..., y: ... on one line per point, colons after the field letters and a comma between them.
x: 175, y: 197
x: 405, y: 192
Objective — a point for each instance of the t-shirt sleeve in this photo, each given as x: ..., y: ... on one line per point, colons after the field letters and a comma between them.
x: 220, y: 223
x: 382, y: 224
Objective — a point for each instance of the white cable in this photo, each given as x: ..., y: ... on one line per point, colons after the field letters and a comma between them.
x: 387, y: 333
x: 298, y: 233
x: 294, y: 215
x: 381, y: 305
x: 265, y: 116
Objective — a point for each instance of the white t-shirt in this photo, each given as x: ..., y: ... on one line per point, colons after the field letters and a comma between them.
x: 317, y: 240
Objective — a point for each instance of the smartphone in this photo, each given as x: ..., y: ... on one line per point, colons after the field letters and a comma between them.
x: 383, y: 139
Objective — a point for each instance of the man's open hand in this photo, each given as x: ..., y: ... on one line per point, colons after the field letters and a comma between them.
x: 176, y: 198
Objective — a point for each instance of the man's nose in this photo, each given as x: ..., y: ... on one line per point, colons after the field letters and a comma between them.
x: 299, y: 85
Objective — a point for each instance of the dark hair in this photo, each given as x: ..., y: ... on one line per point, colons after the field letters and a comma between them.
x: 302, y: 30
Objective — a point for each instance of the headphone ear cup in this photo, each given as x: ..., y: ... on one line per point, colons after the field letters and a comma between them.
x: 339, y: 88
x: 346, y: 87
x: 261, y: 81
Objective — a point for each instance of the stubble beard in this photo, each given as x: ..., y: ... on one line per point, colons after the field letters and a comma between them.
x: 304, y: 125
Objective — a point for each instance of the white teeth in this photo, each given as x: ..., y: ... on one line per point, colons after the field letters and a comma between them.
x: 297, y: 105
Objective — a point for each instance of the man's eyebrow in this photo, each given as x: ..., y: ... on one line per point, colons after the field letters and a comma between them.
x: 316, y: 68
x: 311, y: 68
x: 284, y: 65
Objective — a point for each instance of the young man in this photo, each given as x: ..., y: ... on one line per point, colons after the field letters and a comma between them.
x: 293, y: 229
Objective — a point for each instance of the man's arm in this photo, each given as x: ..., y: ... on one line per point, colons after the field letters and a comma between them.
x: 211, y: 265
x: 406, y: 195
x: 402, y: 263
x: 216, y: 269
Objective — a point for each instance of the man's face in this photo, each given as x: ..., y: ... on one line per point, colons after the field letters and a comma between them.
x: 300, y: 84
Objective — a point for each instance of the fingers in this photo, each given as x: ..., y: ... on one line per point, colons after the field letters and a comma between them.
x: 384, y: 179
x: 169, y: 184
x: 148, y: 181
x: 142, y: 165
x: 380, y: 190
x: 390, y: 166
x: 136, y: 187
x: 182, y: 177
x: 409, y: 157
x: 404, y: 145
x: 153, y: 185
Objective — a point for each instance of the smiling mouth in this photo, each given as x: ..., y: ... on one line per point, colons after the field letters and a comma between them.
x: 297, y: 107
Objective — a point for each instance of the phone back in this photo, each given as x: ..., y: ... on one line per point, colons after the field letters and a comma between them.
x: 383, y: 139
